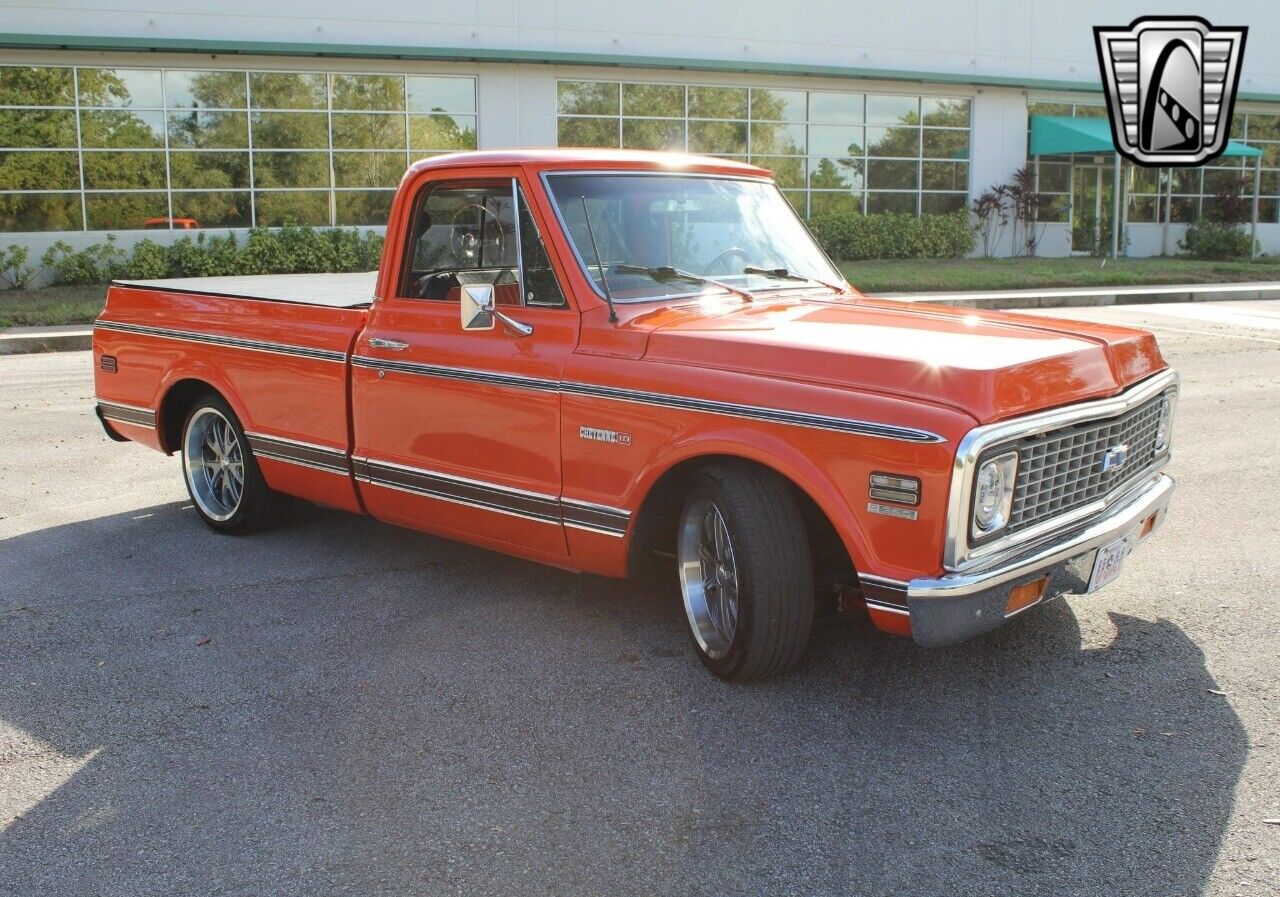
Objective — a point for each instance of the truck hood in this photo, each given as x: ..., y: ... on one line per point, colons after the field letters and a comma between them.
x: 991, y: 365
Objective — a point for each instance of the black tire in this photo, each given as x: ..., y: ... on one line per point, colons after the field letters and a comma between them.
x: 257, y: 506
x: 773, y: 571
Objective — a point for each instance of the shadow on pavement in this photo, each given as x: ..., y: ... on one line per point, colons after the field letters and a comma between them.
x: 340, y: 705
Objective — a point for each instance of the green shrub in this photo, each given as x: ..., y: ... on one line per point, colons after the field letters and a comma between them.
x: 14, y: 269
x: 287, y: 250
x: 149, y: 261
x: 893, y: 235
x: 97, y: 263
x: 1210, y: 240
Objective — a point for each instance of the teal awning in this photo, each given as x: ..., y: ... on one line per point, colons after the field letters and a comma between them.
x: 1053, y: 135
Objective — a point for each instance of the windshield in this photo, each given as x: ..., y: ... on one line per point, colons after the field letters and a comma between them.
x: 739, y: 232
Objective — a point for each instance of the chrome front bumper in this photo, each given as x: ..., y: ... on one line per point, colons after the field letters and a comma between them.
x: 958, y: 606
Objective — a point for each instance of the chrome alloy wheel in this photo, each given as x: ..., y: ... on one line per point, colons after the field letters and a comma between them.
x: 214, y: 463
x: 708, y: 577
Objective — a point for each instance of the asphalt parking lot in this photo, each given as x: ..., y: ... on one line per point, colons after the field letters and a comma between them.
x: 339, y: 706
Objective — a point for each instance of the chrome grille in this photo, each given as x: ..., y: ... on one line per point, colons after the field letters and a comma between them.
x: 1061, y: 470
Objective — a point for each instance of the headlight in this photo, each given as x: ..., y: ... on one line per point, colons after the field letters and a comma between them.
x: 993, y: 494
x: 1165, y: 427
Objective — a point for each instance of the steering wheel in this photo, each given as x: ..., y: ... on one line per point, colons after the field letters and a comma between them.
x: 725, y: 254
x: 468, y: 242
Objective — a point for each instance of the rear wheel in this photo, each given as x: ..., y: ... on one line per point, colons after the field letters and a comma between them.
x: 222, y: 476
x: 746, y: 575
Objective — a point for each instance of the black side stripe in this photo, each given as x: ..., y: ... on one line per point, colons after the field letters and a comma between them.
x: 314, y: 456
x: 529, y: 505
x: 230, y: 341
x: 594, y: 518
x: 662, y: 400
x: 128, y: 414
x: 470, y: 375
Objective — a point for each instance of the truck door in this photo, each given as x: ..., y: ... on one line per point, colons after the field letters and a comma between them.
x: 458, y: 432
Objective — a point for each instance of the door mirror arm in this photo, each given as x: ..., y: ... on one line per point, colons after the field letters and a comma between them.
x: 479, y: 311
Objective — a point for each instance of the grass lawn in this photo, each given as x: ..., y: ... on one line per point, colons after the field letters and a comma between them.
x: 51, y: 306
x: 935, y: 275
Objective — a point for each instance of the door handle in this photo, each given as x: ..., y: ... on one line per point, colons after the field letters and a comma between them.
x: 393, y: 344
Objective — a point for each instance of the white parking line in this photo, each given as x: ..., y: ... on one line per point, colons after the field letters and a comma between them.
x: 1159, y: 328
x: 1233, y: 317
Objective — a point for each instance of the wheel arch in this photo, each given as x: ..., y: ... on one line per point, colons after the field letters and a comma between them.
x: 837, y: 538
x: 180, y: 391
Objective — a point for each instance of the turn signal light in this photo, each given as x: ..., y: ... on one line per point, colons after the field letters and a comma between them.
x: 1025, y: 595
x: 1147, y: 526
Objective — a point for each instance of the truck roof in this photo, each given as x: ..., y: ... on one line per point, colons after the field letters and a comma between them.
x: 332, y: 290
x: 570, y: 157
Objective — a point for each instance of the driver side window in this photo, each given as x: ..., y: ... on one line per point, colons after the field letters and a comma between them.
x: 473, y: 233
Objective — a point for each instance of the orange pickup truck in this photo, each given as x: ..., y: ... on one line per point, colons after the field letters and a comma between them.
x: 595, y: 359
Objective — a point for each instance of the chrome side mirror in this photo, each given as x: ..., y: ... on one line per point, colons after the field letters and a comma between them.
x: 479, y: 311
x: 477, y: 307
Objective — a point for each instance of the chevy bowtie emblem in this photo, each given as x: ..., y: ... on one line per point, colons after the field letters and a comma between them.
x: 1114, y: 458
x: 1171, y: 87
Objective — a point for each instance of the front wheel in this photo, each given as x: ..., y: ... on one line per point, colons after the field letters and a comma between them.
x: 746, y: 574
x: 222, y: 476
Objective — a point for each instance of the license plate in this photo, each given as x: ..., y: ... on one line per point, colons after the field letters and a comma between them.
x: 1108, y: 563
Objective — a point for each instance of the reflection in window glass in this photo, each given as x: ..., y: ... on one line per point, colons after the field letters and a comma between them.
x: 22, y: 85
x: 368, y: 92
x: 828, y: 129
x: 275, y: 208
x: 823, y: 203
x: 653, y: 133
x: 124, y: 170
x: 291, y: 130
x: 126, y: 116
x: 38, y: 212
x: 363, y: 207
x: 368, y: 169
x: 827, y: 106
x: 291, y: 169
x: 121, y: 128
x: 945, y: 176
x: 592, y: 132
x: 55, y: 170
x: 717, y: 137
x: 288, y: 90
x: 892, y: 174
x: 204, y: 90
x: 588, y: 98
x: 440, y: 94
x: 124, y: 211
x: 653, y: 100
x: 209, y: 130
x: 788, y: 171
x: 904, y: 203
x: 442, y: 132
x: 208, y: 170
x: 942, y: 203
x: 892, y: 110
x: 778, y: 105
x: 121, y: 88
x: 37, y: 128
x: 780, y: 138
x: 718, y: 102
x: 368, y: 130
x: 213, y: 208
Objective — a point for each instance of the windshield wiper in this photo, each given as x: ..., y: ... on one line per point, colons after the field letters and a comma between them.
x: 784, y: 274
x: 663, y: 273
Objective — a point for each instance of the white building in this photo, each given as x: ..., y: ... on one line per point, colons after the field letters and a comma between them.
x: 124, y: 115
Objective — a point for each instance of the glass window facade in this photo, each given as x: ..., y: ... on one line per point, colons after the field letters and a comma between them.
x: 829, y: 150
x: 1193, y: 189
x: 88, y: 148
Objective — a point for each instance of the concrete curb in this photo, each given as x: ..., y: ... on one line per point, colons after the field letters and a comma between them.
x: 20, y: 340
x: 1065, y: 297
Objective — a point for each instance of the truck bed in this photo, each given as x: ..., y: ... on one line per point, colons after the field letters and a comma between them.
x: 329, y: 290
